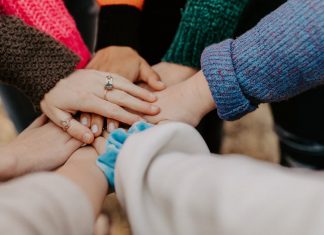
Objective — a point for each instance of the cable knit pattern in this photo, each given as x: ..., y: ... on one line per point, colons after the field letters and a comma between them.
x: 31, y: 60
x: 203, y: 22
x: 279, y: 58
x: 52, y: 18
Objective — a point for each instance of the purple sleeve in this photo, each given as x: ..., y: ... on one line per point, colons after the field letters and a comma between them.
x: 279, y: 58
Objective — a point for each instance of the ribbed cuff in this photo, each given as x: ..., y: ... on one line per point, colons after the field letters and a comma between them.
x: 119, y: 26
x: 218, y: 69
x: 203, y: 23
x: 187, y: 46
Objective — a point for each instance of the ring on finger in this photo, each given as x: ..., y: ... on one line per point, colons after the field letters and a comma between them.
x: 110, y: 80
x: 65, y: 124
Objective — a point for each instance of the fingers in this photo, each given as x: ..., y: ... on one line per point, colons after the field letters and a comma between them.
x: 38, y: 122
x: 73, y: 127
x: 74, y: 144
x: 148, y: 75
x: 154, y: 119
x: 132, y: 89
x: 105, y: 134
x: 85, y: 119
x: 96, y: 124
x: 109, y: 110
x: 100, y: 145
x: 125, y: 100
x: 102, y: 225
x: 112, y: 125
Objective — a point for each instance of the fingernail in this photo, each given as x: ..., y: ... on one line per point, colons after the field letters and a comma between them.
x: 94, y: 129
x: 140, y: 119
x: 111, y: 127
x: 86, y: 138
x: 84, y: 121
x: 154, y: 108
x: 161, y: 83
x: 152, y: 96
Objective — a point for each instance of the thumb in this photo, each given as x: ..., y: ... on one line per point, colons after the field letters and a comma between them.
x: 40, y: 121
x: 148, y: 75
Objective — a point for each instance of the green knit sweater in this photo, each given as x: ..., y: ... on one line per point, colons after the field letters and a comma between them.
x: 203, y: 23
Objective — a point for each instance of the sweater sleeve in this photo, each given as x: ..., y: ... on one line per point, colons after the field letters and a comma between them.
x: 135, y: 3
x: 44, y: 203
x: 279, y: 58
x: 169, y: 183
x: 119, y: 23
x: 203, y: 22
x: 30, y: 60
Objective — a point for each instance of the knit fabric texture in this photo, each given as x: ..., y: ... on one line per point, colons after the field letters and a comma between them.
x: 203, y: 22
x: 52, y: 18
x: 279, y: 58
x: 31, y: 60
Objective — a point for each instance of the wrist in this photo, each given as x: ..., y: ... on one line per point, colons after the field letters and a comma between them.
x: 8, y: 164
x: 82, y: 170
x: 203, y: 97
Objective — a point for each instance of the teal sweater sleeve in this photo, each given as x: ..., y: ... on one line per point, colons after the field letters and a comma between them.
x: 203, y: 23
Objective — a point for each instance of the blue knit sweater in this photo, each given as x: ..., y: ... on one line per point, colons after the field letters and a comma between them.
x: 279, y: 58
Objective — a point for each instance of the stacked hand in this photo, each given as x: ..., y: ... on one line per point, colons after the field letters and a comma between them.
x: 127, y: 103
x: 188, y: 101
x: 84, y: 90
x: 125, y: 62
x: 42, y: 146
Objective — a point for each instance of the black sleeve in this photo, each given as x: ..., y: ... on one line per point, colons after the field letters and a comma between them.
x: 118, y: 25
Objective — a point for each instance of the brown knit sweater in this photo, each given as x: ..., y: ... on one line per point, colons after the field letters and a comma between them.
x: 31, y: 60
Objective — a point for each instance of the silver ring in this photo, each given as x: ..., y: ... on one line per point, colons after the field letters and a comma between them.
x: 109, y: 84
x: 66, y: 124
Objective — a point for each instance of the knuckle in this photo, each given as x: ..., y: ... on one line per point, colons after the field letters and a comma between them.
x: 114, y: 112
x: 43, y: 105
x: 84, y: 96
x: 76, y: 132
x: 115, y: 109
x: 46, y: 99
x: 146, y: 107
x: 122, y: 96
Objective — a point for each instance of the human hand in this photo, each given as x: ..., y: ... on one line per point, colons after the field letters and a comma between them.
x: 172, y: 74
x: 188, y: 101
x: 127, y: 63
x: 42, y: 146
x: 84, y: 91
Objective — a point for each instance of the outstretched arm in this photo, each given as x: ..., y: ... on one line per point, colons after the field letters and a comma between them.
x: 203, y: 23
x: 279, y: 58
x: 171, y: 184
x: 65, y: 202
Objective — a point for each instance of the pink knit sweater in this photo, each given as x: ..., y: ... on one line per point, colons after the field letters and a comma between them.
x: 52, y: 18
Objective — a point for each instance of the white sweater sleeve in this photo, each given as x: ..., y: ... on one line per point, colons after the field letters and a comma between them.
x: 44, y: 204
x: 169, y: 183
